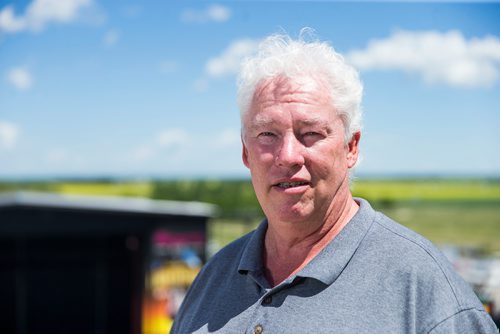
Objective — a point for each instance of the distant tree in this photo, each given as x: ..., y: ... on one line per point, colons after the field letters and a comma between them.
x: 6, y: 186
x: 235, y: 198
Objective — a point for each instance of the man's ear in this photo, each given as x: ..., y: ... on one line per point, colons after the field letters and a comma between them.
x: 244, y: 153
x: 353, y: 149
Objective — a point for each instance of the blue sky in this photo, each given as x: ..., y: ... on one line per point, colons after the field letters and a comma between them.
x: 147, y: 88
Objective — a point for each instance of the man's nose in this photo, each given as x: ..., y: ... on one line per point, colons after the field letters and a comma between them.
x: 290, y: 153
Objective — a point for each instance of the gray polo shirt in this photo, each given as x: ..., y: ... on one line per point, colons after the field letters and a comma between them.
x: 376, y: 276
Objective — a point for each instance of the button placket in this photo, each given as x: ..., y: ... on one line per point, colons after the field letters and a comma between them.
x: 267, y: 300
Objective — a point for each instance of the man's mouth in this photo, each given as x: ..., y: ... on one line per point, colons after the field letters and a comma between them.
x: 286, y: 185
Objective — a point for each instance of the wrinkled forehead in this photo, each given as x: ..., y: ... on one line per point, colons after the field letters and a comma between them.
x: 283, y: 89
x: 308, y: 96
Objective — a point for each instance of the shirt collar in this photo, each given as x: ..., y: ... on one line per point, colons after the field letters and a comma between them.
x: 251, y: 259
x: 329, y: 263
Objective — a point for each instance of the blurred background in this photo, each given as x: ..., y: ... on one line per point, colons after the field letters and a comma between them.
x: 114, y: 114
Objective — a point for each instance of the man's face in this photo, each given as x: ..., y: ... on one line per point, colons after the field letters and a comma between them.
x: 293, y: 144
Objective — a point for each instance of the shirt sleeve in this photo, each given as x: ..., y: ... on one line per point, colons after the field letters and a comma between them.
x: 465, y: 322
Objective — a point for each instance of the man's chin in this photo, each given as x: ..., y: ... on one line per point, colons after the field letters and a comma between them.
x: 293, y: 213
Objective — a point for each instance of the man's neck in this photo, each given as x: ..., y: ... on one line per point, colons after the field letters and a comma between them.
x: 288, y: 250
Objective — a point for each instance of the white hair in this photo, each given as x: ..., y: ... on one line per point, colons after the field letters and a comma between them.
x: 280, y: 55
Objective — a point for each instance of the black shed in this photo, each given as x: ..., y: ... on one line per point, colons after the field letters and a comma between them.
x: 77, y: 264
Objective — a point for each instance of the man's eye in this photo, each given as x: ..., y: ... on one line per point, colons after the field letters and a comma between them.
x: 310, y: 138
x: 266, y: 137
x: 266, y: 134
x: 311, y: 133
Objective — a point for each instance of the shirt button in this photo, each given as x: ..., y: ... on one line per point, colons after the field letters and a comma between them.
x: 267, y: 300
x: 258, y: 329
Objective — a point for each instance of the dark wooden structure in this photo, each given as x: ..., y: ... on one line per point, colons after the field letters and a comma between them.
x: 77, y: 264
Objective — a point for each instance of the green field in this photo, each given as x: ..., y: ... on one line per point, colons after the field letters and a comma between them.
x: 475, y: 225
x: 134, y: 189
x: 428, y: 190
x: 463, y: 212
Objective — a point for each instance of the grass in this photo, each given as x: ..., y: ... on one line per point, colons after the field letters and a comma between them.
x: 465, y: 224
x: 223, y: 231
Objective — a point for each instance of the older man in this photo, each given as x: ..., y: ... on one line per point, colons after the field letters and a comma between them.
x: 322, y: 261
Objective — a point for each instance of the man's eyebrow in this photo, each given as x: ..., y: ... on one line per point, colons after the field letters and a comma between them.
x: 260, y: 121
x: 313, y: 121
x: 263, y: 121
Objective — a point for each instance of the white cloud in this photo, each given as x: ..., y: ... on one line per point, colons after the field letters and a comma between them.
x: 447, y: 58
x: 172, y: 138
x: 9, y: 22
x: 20, y: 78
x: 111, y: 37
x: 40, y: 13
x: 183, y: 152
x: 218, y: 13
x: 174, y: 141
x: 9, y: 134
x: 63, y: 158
x: 228, y: 138
x: 226, y: 63
x: 143, y: 153
x: 229, y: 60
x: 168, y: 66
x: 213, y: 13
x: 201, y: 85
x: 56, y: 156
x: 131, y: 11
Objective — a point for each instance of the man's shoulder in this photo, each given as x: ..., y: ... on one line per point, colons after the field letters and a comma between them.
x: 408, y: 253
x: 402, y: 236
x: 409, y: 248
x: 392, y: 241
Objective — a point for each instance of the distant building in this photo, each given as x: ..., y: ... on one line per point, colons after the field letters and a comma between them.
x: 79, y: 264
